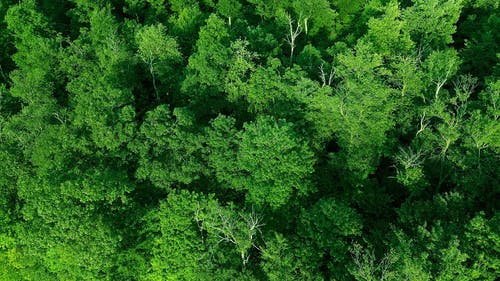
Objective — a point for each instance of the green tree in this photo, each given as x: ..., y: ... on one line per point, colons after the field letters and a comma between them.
x: 431, y: 23
x: 207, y: 67
x: 249, y: 140
x: 175, y: 246
x: 364, y: 110
x: 269, y: 161
x: 315, y: 14
x: 100, y: 87
x: 187, y: 233
x: 324, y: 233
x: 207, y: 64
x: 158, y: 51
x: 169, y: 148
x: 276, y: 162
x: 229, y: 9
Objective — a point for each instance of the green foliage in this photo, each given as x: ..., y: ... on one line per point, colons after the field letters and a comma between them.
x: 273, y: 161
x: 187, y: 233
x: 310, y: 59
x: 316, y: 15
x: 206, y: 66
x: 326, y: 228
x: 431, y: 23
x: 249, y: 140
x: 477, y: 33
x: 368, y: 268
x: 277, y: 262
x: 364, y: 107
x: 184, y: 24
x: 268, y: 9
x: 169, y: 152
x: 157, y: 51
x: 176, y: 244
x: 387, y: 33
x: 266, y: 158
x: 410, y: 169
x: 229, y: 9
x: 100, y: 88
x: 482, y: 244
x: 59, y: 238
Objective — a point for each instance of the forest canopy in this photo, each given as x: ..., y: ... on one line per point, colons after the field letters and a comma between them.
x: 250, y: 140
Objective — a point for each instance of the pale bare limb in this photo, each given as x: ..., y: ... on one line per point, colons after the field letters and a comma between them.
x: 440, y: 83
x: 326, y: 82
x: 293, y: 34
x: 423, y: 124
x: 241, y: 231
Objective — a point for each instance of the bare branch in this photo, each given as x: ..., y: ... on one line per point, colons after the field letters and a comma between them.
x: 440, y: 83
x: 331, y: 75
x: 423, y: 125
x: 293, y: 34
x: 240, y: 230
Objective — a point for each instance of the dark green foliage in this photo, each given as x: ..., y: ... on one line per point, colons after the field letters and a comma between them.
x: 169, y: 148
x: 268, y: 160
x: 249, y: 140
x: 327, y: 229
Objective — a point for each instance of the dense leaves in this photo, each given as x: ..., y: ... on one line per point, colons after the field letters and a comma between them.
x: 249, y: 140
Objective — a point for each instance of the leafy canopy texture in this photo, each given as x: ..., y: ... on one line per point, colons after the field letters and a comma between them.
x: 274, y: 140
